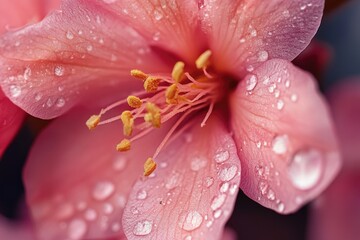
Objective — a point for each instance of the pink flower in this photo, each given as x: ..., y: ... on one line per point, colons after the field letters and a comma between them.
x: 15, y: 14
x: 336, y: 213
x: 263, y: 121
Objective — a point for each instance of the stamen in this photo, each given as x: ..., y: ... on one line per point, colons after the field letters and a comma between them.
x: 134, y: 101
x: 124, y: 145
x: 93, y: 121
x: 138, y: 74
x: 151, y: 84
x: 128, y: 122
x: 149, y: 166
x: 153, y: 116
x: 178, y: 71
x: 203, y: 60
x: 171, y: 94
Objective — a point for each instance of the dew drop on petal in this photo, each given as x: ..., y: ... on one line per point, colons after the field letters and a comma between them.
x: 227, y: 172
x: 217, y: 213
x: 198, y: 163
x: 224, y: 187
x: 281, y: 207
x: 90, y: 214
x: 60, y: 102
x: 305, y: 168
x: 141, y: 194
x: 59, y: 71
x: 280, y: 144
x: 77, y: 229
x: 158, y: 15
x: 209, y: 181
x: 103, y: 190
x: 69, y: 35
x: 15, y: 91
x: 143, y: 228
x: 218, y: 201
x: 251, y: 82
x: 38, y: 97
x: 263, y: 56
x: 108, y: 208
x: 293, y: 97
x: 221, y: 156
x: 280, y: 104
x: 190, y: 220
x: 233, y: 189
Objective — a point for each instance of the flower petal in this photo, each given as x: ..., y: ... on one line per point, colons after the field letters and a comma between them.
x: 77, y: 185
x: 243, y: 34
x: 284, y: 135
x: 171, y: 25
x: 192, y: 193
x: 65, y: 60
x: 10, y: 120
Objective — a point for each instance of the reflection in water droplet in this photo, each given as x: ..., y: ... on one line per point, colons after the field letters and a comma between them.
x: 280, y: 207
x: 221, y: 156
x: 103, y: 190
x: 305, y: 168
x: 142, y: 228
x: 280, y: 104
x: 224, y: 187
x: 227, y: 172
x: 251, y: 82
x: 59, y: 71
x: 77, y: 229
x: 280, y: 144
x: 218, y: 201
x: 141, y: 195
x: 190, y: 220
x: 108, y: 208
x: 217, y: 213
x: 15, y: 91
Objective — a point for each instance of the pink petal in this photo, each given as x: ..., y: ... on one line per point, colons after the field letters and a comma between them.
x: 66, y: 60
x: 192, y: 193
x: 10, y: 120
x: 284, y: 135
x: 344, y: 101
x: 336, y: 213
x: 171, y: 25
x: 77, y: 184
x: 243, y: 34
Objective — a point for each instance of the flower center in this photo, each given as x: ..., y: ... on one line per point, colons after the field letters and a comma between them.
x: 164, y: 97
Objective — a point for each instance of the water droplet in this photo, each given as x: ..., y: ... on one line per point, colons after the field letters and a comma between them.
x: 280, y: 144
x: 217, y: 213
x: 119, y: 163
x: 218, y: 201
x: 272, y: 88
x: 242, y: 40
x: 305, y: 168
x: 103, y: 190
x: 156, y: 36
x: 60, y: 102
x: 251, y: 82
x: 303, y: 7
x: 173, y: 180
x: 224, y: 187
x: 69, y: 35
x: 60, y: 88
x: 90, y: 215
x: 293, y: 97
x: 250, y: 68
x: 141, y: 194
x: 115, y: 227
x: 89, y: 48
x: 158, y: 15
x: 188, y: 237
x: 280, y: 104
x: 221, y: 156
x: 209, y: 181
x: 263, y: 187
x: 49, y: 102
x: 15, y: 91
x: 38, y: 97
x: 233, y: 189
x: 277, y: 93
x: 143, y: 228
x: 227, y: 172
x: 27, y: 73
x: 190, y: 220
x: 286, y: 13
x: 280, y: 207
x: 198, y: 163
x: 108, y: 208
x: 253, y: 32
x: 77, y: 229
x: 263, y: 56
x: 59, y: 71
x: 287, y: 83
x: 65, y: 210
x: 271, y: 195
x: 258, y: 144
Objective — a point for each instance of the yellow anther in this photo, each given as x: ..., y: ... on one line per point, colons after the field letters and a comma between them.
x: 151, y: 84
x: 178, y: 71
x: 93, y: 121
x: 134, y: 101
x: 203, y: 59
x: 153, y: 116
x: 128, y: 122
x: 149, y: 166
x: 138, y: 74
x: 124, y: 145
x: 171, y: 94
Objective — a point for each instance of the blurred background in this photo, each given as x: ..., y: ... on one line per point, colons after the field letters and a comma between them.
x: 333, y: 57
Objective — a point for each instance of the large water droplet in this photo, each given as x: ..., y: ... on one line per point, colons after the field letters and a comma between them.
x: 263, y: 56
x: 227, y: 172
x: 221, y: 156
x: 218, y: 201
x: 77, y: 229
x: 60, y: 102
x: 59, y: 71
x: 305, y: 168
x: 280, y: 144
x: 103, y: 190
x: 141, y: 194
x: 251, y: 82
x: 190, y: 220
x: 143, y: 228
x: 15, y: 91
